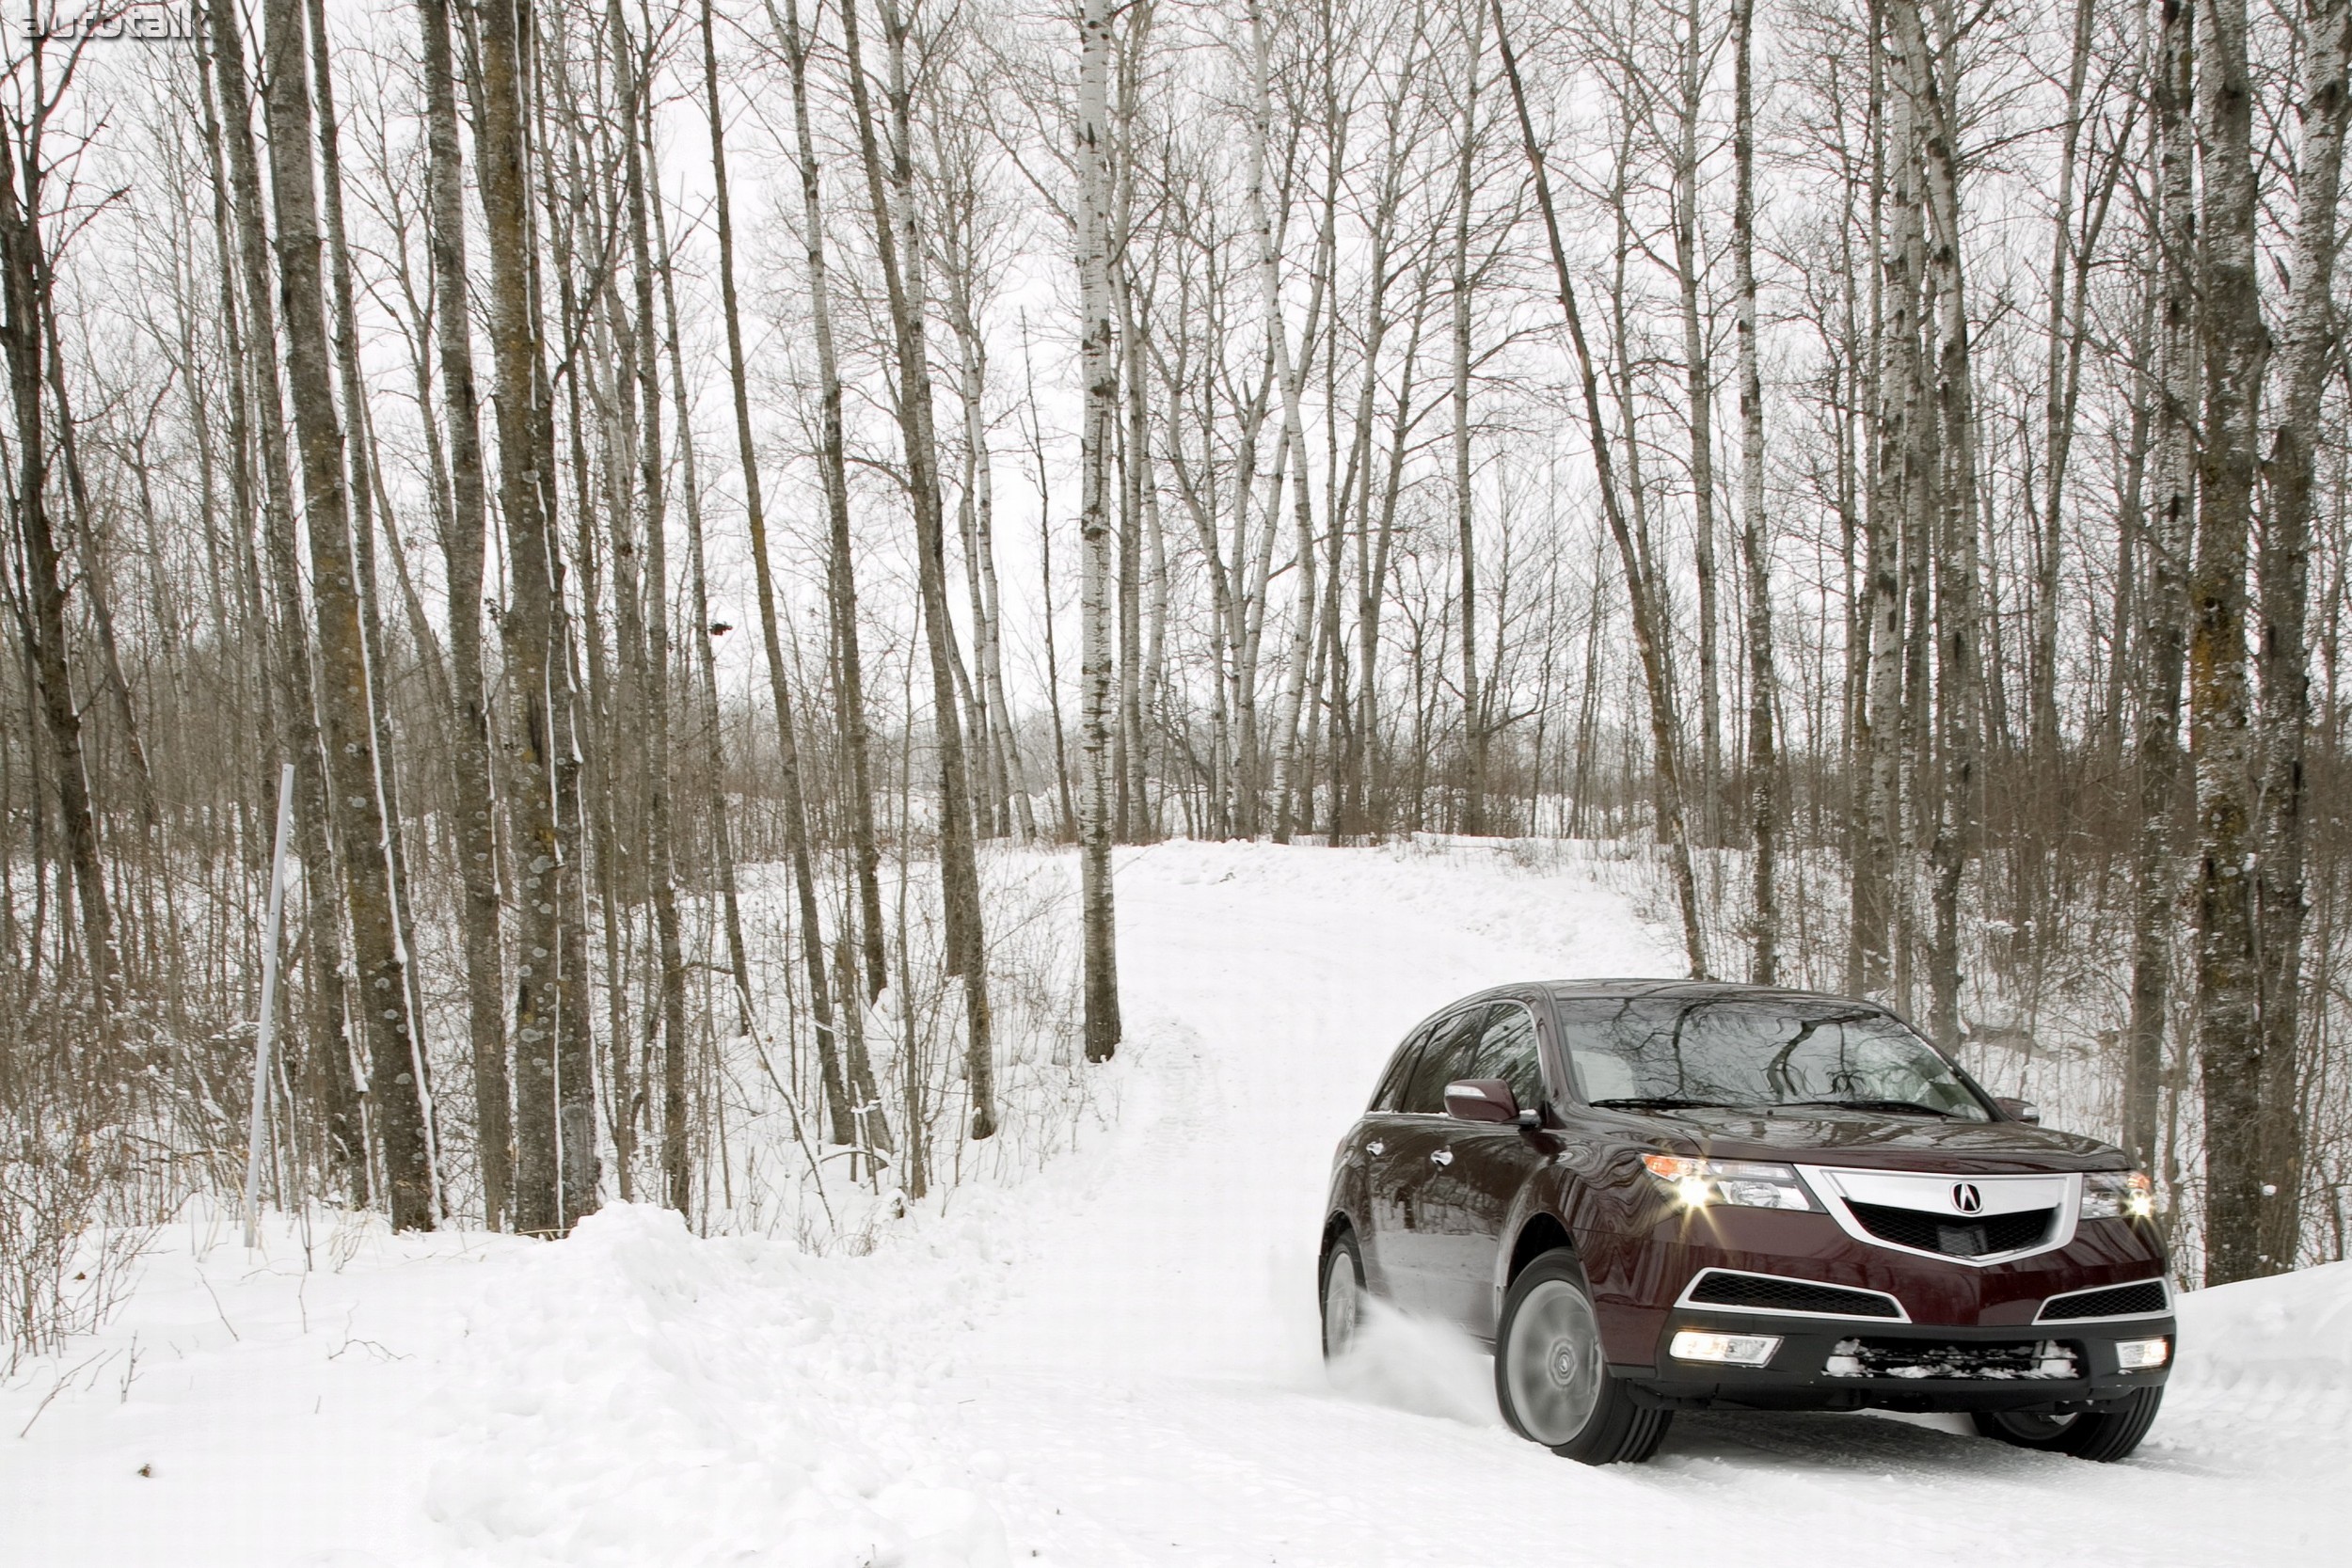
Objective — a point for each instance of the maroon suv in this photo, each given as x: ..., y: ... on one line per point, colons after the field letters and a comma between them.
x: 1659, y: 1196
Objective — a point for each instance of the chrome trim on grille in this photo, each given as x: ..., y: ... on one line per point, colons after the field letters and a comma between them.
x: 1689, y: 1291
x: 2042, y: 1314
x: 1931, y: 1192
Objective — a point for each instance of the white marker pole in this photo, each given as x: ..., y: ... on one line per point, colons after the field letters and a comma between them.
x: 267, y: 1029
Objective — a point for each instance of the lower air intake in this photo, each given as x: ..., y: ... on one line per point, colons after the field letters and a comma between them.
x: 1790, y: 1295
x: 2118, y: 1301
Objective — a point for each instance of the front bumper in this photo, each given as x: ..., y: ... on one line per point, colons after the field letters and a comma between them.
x: 1799, y: 1376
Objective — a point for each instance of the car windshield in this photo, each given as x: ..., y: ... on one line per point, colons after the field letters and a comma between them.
x: 1663, y: 1054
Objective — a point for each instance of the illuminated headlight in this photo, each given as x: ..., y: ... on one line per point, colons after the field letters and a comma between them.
x: 2117, y: 1195
x: 1731, y: 1350
x: 2137, y: 1355
x: 1739, y: 1183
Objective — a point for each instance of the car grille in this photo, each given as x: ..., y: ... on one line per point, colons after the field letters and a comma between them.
x: 1790, y: 1295
x: 1923, y: 1360
x: 2115, y: 1302
x: 1975, y: 1236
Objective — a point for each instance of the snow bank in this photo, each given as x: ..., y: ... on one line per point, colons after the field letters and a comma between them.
x: 2295, y: 1330
x: 636, y: 1395
x: 2266, y: 1364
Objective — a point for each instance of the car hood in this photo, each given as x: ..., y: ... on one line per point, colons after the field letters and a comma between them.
x: 1868, y: 1139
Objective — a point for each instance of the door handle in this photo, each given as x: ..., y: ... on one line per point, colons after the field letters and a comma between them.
x: 1444, y: 1157
x: 1376, y: 1148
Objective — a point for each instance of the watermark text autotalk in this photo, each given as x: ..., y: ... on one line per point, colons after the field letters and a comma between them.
x: 149, y: 22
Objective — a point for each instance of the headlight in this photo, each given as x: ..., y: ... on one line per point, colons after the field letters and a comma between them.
x: 1740, y: 1183
x: 2117, y: 1195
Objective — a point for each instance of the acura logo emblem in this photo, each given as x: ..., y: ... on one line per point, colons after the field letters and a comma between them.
x: 1966, y: 1197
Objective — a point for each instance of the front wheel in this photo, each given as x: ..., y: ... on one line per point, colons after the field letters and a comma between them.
x: 1552, y: 1378
x: 2102, y: 1436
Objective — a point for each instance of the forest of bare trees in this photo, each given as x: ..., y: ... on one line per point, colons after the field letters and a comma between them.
x: 707, y: 496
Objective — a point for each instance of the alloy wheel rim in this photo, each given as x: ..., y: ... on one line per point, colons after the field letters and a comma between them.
x: 1553, y: 1366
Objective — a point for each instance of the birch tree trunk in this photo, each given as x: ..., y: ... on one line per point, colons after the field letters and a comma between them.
x: 1699, y: 385
x: 2282, y: 567
x: 1466, y: 542
x: 2237, y: 350
x: 462, y: 558
x: 2061, y: 376
x: 899, y: 252
x: 1949, y: 479
x: 395, y: 1078
x: 365, y: 486
x: 533, y: 663
x: 1293, y: 436
x: 2163, y: 601
x: 1897, y: 326
x: 1755, y: 543
x: 330, y: 1052
x: 660, y: 870
x: 1101, y: 372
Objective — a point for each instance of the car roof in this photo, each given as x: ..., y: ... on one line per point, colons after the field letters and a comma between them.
x: 1692, y: 990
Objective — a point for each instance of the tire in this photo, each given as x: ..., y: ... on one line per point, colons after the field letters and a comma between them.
x: 1551, y: 1380
x: 1341, y: 1289
x: 2103, y: 1437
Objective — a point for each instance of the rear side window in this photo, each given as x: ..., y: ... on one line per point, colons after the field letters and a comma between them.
x: 1506, y: 1049
x: 1390, y: 1096
x: 1453, y: 1050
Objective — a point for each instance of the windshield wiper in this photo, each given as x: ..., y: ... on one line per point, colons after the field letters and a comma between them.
x: 1658, y: 1102
x: 1898, y: 1107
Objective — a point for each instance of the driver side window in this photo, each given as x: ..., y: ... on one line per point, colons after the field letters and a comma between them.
x: 1506, y: 1049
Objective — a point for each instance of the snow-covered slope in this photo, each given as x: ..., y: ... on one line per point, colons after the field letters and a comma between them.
x: 1113, y: 1362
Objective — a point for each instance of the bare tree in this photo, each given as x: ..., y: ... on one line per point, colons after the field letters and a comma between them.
x: 891, y: 195
x: 533, y: 661
x: 395, y: 1075
x: 26, y: 335
x: 2282, y: 568
x: 2164, y: 629
x: 463, y: 533
x: 2236, y: 346
x: 1646, y: 632
x: 1763, y: 760
x: 1101, y: 1022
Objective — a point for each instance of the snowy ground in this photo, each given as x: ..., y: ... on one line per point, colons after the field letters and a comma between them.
x: 1112, y: 1363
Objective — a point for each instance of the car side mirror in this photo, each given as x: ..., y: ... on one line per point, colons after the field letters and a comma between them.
x: 2018, y: 1110
x: 1481, y: 1100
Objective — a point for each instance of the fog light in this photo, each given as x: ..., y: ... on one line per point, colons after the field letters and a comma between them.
x: 2134, y: 1355
x: 1736, y: 1350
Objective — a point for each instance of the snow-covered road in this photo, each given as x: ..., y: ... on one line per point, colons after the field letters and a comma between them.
x: 1113, y: 1362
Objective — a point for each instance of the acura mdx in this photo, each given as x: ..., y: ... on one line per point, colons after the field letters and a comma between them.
x: 1661, y: 1195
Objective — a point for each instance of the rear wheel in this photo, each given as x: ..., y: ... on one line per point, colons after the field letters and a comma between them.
x: 1344, y: 1296
x: 1552, y: 1378
x: 2103, y: 1435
